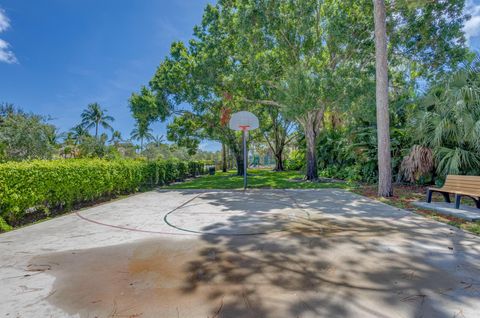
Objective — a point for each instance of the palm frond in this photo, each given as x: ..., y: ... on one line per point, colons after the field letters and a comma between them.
x: 419, y: 162
x: 450, y: 122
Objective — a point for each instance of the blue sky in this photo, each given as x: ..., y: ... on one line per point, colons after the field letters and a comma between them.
x: 57, y: 56
x: 69, y: 53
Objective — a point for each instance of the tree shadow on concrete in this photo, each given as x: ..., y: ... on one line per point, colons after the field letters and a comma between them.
x: 324, y: 253
x: 345, y: 256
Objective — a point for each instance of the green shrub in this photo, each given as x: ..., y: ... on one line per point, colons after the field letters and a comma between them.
x: 4, y: 225
x: 194, y: 168
x: 295, y: 161
x: 202, y: 165
x: 43, y: 185
x: 182, y: 168
x: 156, y: 172
x: 171, y: 171
x: 348, y: 173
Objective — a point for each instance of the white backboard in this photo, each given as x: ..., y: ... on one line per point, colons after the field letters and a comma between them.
x: 243, y: 121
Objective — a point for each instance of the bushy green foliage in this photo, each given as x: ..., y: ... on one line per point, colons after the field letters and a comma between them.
x: 194, y: 169
x: 350, y: 152
x: 43, y: 185
x: 171, y: 171
x: 4, y: 225
x: 25, y: 136
x: 348, y: 173
x: 182, y: 168
x: 449, y: 122
x: 93, y: 147
x: 295, y: 160
x: 156, y: 171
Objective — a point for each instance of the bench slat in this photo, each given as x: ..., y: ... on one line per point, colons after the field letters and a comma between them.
x: 461, y: 186
x: 458, y: 176
x: 457, y: 183
x: 462, y: 182
x: 473, y: 194
x: 462, y: 176
x: 463, y: 179
x: 468, y: 185
x: 464, y: 185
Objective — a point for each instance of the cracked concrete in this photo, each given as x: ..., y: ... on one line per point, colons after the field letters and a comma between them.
x: 263, y: 253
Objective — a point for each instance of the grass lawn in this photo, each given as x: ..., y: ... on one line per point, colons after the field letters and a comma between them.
x: 257, y: 178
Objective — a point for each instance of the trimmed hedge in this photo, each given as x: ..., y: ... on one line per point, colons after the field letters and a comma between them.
x: 43, y: 185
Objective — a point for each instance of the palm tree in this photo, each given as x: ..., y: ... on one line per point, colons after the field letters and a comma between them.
x: 116, y: 138
x: 141, y: 132
x: 54, y: 135
x: 449, y: 122
x: 95, y: 116
x: 77, y: 133
x: 8, y: 109
x: 158, y: 140
x: 383, y: 121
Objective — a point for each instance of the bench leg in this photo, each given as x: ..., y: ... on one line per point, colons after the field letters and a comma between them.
x: 429, y: 196
x: 458, y: 197
x: 446, y: 196
x: 477, y: 202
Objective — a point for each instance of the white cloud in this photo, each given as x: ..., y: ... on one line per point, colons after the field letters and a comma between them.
x: 6, y: 55
x: 472, y: 26
x: 4, y: 21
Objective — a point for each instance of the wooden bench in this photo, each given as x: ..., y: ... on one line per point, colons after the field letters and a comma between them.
x: 468, y: 186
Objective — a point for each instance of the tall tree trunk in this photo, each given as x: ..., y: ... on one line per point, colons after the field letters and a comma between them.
x: 239, y: 160
x: 236, y: 148
x: 224, y: 157
x: 96, y: 130
x: 312, y: 123
x: 383, y: 121
x: 229, y: 157
x: 312, y: 173
x: 231, y: 163
x: 279, y: 160
x: 141, y: 145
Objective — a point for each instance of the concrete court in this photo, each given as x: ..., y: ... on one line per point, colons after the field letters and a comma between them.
x: 465, y: 212
x: 263, y: 253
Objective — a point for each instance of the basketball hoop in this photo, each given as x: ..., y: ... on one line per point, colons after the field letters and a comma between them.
x: 244, y: 121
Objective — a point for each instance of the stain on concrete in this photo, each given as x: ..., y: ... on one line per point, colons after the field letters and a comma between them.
x: 141, y: 279
x: 338, y: 256
x: 294, y: 275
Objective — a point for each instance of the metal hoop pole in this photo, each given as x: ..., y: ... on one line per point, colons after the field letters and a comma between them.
x: 244, y: 159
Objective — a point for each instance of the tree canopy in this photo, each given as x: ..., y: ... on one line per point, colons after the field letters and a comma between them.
x: 307, y: 58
